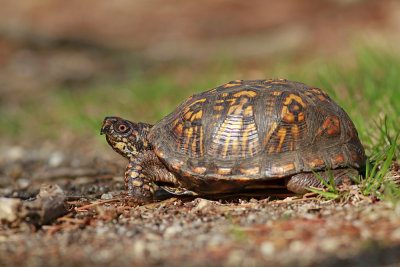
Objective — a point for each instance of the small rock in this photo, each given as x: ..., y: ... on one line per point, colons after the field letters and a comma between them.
x: 23, y: 183
x: 9, y: 209
x: 172, y: 230
x: 203, y: 204
x: 252, y: 217
x: 56, y: 159
x: 15, y: 153
x: 267, y: 248
x: 106, y: 196
x: 330, y: 245
x: 139, y: 248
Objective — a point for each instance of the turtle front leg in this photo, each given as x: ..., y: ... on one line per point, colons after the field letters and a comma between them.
x: 138, y: 186
x: 298, y: 183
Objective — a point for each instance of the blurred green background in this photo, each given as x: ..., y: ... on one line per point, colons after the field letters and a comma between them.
x: 64, y: 65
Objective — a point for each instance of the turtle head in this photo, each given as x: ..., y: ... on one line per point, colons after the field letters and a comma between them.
x: 125, y: 137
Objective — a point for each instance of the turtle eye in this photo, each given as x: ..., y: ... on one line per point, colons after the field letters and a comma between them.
x: 122, y: 128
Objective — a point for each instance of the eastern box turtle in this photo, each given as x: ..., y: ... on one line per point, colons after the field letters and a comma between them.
x: 238, y: 137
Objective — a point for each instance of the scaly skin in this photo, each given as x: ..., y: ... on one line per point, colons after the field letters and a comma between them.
x: 129, y: 139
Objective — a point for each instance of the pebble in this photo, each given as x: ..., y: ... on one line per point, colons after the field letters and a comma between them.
x: 267, y: 248
x: 106, y: 196
x: 23, y: 183
x: 172, y: 231
x: 56, y: 159
x: 15, y: 153
x: 139, y: 248
x: 203, y: 203
x: 9, y: 208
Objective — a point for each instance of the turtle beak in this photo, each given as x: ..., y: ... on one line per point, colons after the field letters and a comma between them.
x: 107, y: 123
x: 105, y: 129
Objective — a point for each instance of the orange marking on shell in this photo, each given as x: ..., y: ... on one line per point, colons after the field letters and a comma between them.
x: 354, y: 156
x: 198, y: 115
x: 217, y: 116
x: 278, y: 82
x: 222, y: 130
x: 134, y: 132
x: 199, y: 170
x: 178, y: 129
x: 224, y: 171
x: 231, y: 85
x: 275, y: 93
x: 282, y: 134
x: 175, y: 122
x: 292, y: 97
x: 269, y: 133
x: 238, y: 81
x: 295, y: 131
x: 235, y: 147
x: 220, y: 101
x: 316, y: 162
x: 218, y: 108
x: 286, y: 115
x: 271, y: 149
x: 246, y: 93
x: 188, y: 134
x: 188, y: 115
x: 331, y: 125
x: 235, y: 143
x: 194, y: 143
x: 315, y: 90
x: 322, y: 98
x: 251, y: 146
x: 250, y: 171
x: 282, y: 169
x: 323, y: 92
x: 248, y: 112
x: 224, y: 94
x: 194, y: 103
x: 237, y: 109
x: 201, y: 141
x: 338, y: 159
x: 131, y: 137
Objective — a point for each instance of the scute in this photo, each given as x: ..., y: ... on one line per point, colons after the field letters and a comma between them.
x: 258, y: 129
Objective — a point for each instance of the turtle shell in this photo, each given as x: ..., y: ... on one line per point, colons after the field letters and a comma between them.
x: 255, y: 130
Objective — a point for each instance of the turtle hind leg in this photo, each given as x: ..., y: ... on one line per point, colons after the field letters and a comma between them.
x: 298, y: 182
x: 138, y: 187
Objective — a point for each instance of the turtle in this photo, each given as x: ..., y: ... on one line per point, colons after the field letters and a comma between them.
x: 241, y: 136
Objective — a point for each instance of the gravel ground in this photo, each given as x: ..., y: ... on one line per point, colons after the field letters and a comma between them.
x: 101, y: 228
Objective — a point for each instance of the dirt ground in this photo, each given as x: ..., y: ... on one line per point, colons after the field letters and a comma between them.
x: 98, y: 227
x: 53, y: 43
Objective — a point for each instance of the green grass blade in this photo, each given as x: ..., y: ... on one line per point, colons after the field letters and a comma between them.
x: 329, y: 195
